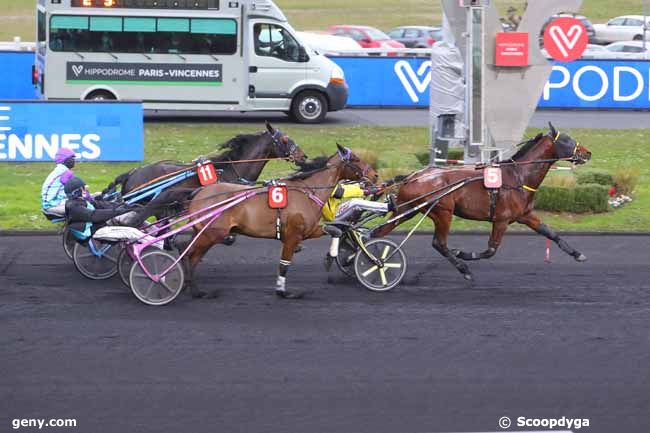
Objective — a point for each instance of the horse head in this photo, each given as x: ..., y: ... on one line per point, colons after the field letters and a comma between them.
x: 354, y: 168
x: 568, y: 148
x: 284, y: 146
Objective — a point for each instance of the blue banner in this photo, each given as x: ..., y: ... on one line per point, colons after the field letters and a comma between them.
x: 16, y: 80
x: 605, y: 84
x: 96, y: 131
x: 598, y: 84
x: 387, y: 81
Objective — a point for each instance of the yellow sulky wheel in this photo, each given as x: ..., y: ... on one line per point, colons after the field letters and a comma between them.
x: 384, y: 273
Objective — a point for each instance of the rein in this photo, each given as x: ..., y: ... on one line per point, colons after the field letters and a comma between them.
x: 193, y: 167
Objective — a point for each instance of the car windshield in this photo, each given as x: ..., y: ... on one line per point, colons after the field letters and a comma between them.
x: 376, y: 35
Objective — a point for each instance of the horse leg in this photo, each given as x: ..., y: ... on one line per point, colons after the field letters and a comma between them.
x: 498, y: 229
x: 194, y: 256
x: 288, y: 249
x: 532, y: 221
x: 442, y: 221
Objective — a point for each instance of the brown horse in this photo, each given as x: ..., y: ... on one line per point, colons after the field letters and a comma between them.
x: 254, y: 150
x: 469, y: 199
x: 308, y: 190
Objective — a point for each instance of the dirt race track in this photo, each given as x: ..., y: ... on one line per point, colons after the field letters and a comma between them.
x: 527, y: 339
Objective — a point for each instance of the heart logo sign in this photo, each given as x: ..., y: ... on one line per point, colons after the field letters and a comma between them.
x: 414, y: 83
x: 565, y: 39
x: 77, y: 69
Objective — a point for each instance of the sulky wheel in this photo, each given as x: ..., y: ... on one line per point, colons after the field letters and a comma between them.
x: 96, y: 260
x: 163, y: 291
x: 389, y: 272
x: 345, y: 258
x: 68, y: 242
x: 125, y: 263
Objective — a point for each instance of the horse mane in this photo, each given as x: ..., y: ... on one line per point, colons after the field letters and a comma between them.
x: 308, y: 168
x: 236, y: 147
x: 527, y: 145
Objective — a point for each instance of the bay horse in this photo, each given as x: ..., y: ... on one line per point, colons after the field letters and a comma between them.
x: 513, y: 202
x: 271, y: 143
x: 308, y: 190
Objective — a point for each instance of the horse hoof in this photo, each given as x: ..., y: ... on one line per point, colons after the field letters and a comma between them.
x: 229, y: 240
x: 455, y: 252
x: 581, y: 258
x: 285, y: 294
x: 468, y: 277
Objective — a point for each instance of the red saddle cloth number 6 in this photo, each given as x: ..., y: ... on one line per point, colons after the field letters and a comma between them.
x: 492, y: 177
x: 278, y: 197
x: 207, y: 174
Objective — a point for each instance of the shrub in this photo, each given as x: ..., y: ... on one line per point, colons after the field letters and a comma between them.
x: 423, y: 158
x: 389, y: 173
x: 591, y: 198
x: 626, y: 180
x: 600, y: 177
x: 368, y: 156
x: 456, y: 153
x: 561, y: 180
x: 577, y: 199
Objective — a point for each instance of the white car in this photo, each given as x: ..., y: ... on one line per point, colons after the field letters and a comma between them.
x: 627, y: 50
x: 329, y: 45
x: 624, y: 28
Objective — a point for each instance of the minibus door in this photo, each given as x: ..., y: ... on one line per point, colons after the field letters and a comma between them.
x: 277, y: 64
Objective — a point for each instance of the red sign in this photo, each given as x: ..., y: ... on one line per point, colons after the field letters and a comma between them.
x: 207, y: 174
x: 511, y: 49
x: 492, y: 177
x: 278, y: 197
x: 565, y: 39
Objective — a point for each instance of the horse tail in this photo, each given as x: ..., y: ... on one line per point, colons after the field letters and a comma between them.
x: 169, y: 202
x: 119, y: 180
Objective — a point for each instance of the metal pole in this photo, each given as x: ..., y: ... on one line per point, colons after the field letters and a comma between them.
x: 645, y: 25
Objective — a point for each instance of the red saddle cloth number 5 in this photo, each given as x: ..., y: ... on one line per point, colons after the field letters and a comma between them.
x: 207, y: 174
x: 278, y: 197
x: 492, y: 177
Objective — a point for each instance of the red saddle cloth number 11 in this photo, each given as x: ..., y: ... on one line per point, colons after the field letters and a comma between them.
x: 492, y: 177
x: 207, y: 174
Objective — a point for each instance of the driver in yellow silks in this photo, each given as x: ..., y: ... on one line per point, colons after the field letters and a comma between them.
x: 346, y: 202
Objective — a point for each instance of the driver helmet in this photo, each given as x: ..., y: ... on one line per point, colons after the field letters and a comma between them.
x: 73, y: 188
x: 63, y: 154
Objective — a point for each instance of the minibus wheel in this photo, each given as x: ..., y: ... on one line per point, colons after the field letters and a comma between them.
x: 100, y: 95
x: 309, y: 107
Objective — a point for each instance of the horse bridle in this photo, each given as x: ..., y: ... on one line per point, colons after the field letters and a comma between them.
x: 345, y: 158
x: 574, y: 155
x: 285, y: 145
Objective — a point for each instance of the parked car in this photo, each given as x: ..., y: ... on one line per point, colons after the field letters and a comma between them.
x: 624, y: 28
x: 594, y: 51
x: 628, y: 50
x: 416, y: 36
x: 590, y: 27
x: 327, y: 44
x: 367, y: 37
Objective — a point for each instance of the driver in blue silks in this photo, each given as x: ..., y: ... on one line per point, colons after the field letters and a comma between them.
x: 53, y: 196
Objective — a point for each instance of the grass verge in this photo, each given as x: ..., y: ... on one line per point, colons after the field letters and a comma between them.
x: 395, y: 147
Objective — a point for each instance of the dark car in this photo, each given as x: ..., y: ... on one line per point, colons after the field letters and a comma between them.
x: 416, y: 36
x: 591, y: 32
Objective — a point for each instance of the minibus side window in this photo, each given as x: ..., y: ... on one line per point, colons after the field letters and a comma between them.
x: 275, y: 41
